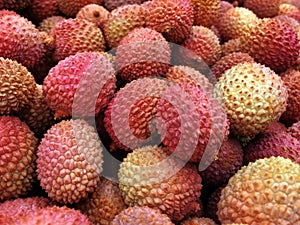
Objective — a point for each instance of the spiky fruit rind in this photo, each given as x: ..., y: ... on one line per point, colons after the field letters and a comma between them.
x: 264, y: 192
x: 272, y: 43
x: 41, y: 9
x: 147, y: 178
x: 206, y: 12
x: 266, y: 8
x: 253, y: 96
x: 227, y: 162
x: 53, y: 215
x: 104, y: 203
x: 17, y: 150
x: 204, y: 43
x: 113, y: 4
x: 231, y: 46
x: 65, y: 87
x: 294, y: 130
x: 137, y: 99
x: 142, y: 53
x: 76, y: 35
x: 141, y: 215
x: 11, y: 209
x: 272, y: 144
x: 229, y: 61
x: 18, y: 86
x: 174, y: 19
x: 69, y: 161
x: 48, y: 24
x: 37, y: 114
x: 20, y: 40
x: 15, y: 5
x: 291, y: 79
x: 123, y: 20
x: 235, y: 21
x: 71, y: 7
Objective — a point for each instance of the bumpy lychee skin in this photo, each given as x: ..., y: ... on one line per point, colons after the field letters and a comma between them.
x: 141, y: 215
x: 229, y: 61
x: 276, y: 127
x: 291, y: 79
x: 20, y: 40
x: 174, y: 18
x: 123, y: 20
x: 228, y: 161
x: 71, y: 7
x: 69, y: 161
x: 198, y: 221
x: 253, y: 96
x: 104, y: 203
x: 204, y: 43
x: 264, y: 192
x: 233, y: 45
x: 15, y: 5
x: 266, y: 8
x: 18, y: 86
x: 285, y: 8
x: 49, y: 23
x: 37, y: 114
x: 272, y: 43
x: 65, y: 87
x: 128, y: 115
x: 206, y: 12
x: 147, y: 178
x: 17, y: 150
x: 272, y: 144
x: 42, y: 9
x: 197, y: 119
x: 12, y: 209
x: 94, y: 13
x: 113, y: 4
x: 53, y: 215
x: 142, y: 53
x: 294, y: 130
x: 235, y: 21
x: 76, y: 35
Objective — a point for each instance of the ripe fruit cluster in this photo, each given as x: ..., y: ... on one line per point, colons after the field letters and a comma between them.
x: 149, y: 112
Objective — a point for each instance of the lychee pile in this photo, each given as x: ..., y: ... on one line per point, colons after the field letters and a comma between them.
x: 149, y: 112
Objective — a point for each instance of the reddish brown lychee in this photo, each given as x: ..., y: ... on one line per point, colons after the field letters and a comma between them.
x: 272, y: 43
x: 141, y: 215
x: 229, y: 61
x: 291, y: 79
x: 272, y: 144
x: 198, y: 221
x: 20, y: 40
x: 174, y: 18
x: 142, y: 53
x: 104, y: 203
x: 150, y: 177
x: 71, y: 36
x: 71, y: 7
x: 204, y: 44
x: 113, y: 4
x: 65, y: 87
x: 263, y: 9
x: 228, y: 161
x: 42, y: 9
x: 17, y: 150
x: 47, y: 24
x: 18, y: 86
x: 294, y: 130
x: 123, y: 20
x: 206, y: 12
x: 69, y: 161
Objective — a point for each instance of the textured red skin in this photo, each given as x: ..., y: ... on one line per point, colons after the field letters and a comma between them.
x: 63, y: 82
x: 272, y: 144
x: 20, y: 40
x: 174, y: 19
x: 142, y: 53
x: 42, y: 9
x: 71, y: 36
x: 228, y: 161
x: 71, y: 7
x: 294, y: 130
